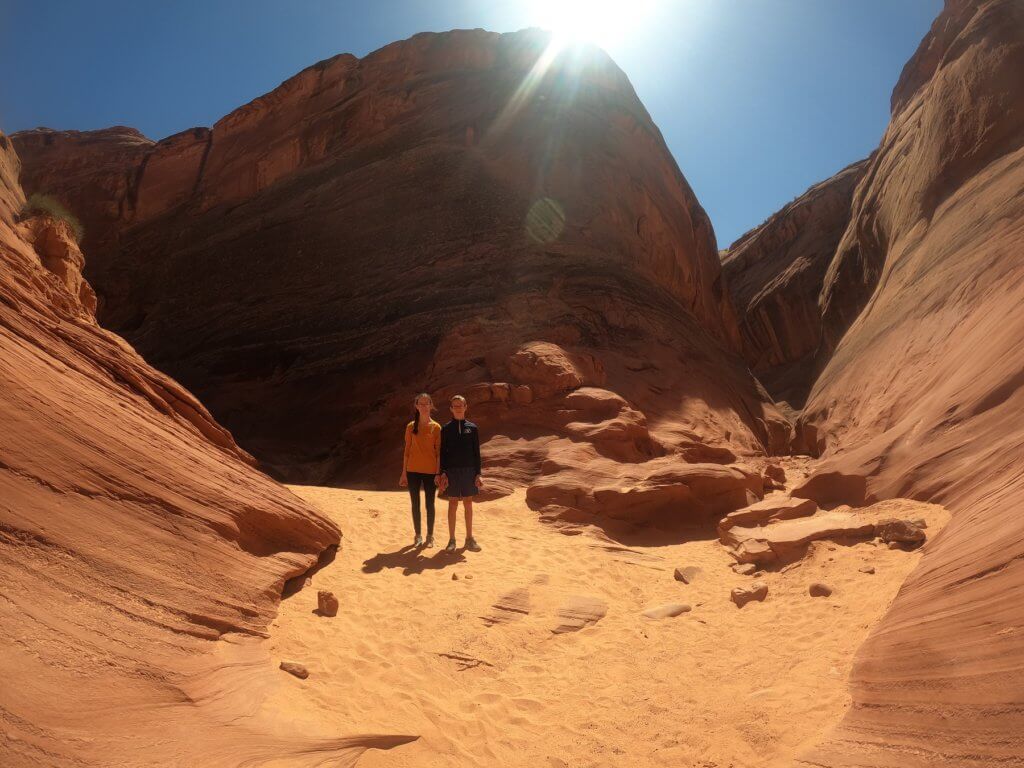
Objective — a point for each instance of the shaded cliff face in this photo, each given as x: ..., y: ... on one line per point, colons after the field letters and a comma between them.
x: 447, y: 214
x: 924, y: 396
x: 775, y: 274
x: 141, y: 555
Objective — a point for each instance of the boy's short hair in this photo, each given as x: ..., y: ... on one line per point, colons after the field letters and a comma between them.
x: 457, y: 397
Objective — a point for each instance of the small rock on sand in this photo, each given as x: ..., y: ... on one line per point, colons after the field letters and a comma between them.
x: 688, y: 574
x: 742, y: 595
x: 902, y: 531
x: 867, y: 569
x: 327, y: 603
x: 744, y: 569
x: 294, y: 668
x: 455, y: 577
x: 667, y: 611
x: 817, y: 589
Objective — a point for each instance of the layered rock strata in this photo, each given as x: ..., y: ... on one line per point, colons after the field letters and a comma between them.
x: 462, y: 212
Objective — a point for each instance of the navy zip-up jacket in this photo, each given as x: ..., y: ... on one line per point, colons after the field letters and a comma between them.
x: 460, y: 445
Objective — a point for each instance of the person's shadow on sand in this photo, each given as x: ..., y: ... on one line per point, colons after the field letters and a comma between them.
x: 411, y: 560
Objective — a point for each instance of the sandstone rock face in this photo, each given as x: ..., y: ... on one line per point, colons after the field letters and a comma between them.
x: 442, y: 215
x: 94, y: 173
x: 924, y: 396
x: 141, y: 555
x: 775, y: 274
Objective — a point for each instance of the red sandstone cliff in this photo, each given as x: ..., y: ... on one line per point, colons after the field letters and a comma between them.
x: 775, y: 274
x: 444, y: 214
x: 924, y: 396
x: 141, y: 556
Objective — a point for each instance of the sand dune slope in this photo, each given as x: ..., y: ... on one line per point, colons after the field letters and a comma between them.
x: 475, y: 667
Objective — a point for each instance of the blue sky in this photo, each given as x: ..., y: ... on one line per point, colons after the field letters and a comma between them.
x: 757, y: 99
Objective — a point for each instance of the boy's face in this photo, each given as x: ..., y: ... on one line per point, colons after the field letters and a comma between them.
x: 458, y: 409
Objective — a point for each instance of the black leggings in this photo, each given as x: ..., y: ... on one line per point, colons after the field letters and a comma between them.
x: 417, y: 479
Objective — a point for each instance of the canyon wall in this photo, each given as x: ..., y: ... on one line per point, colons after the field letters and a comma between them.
x: 924, y: 395
x: 454, y: 212
x: 141, y: 554
x: 775, y: 274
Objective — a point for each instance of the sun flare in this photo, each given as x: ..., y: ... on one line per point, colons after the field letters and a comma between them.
x: 605, y: 23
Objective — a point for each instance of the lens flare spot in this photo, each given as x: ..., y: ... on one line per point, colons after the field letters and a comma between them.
x: 545, y: 220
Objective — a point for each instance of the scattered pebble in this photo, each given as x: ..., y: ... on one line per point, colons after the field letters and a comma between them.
x: 817, y: 589
x: 455, y: 577
x: 744, y: 569
x: 294, y: 668
x: 867, y: 569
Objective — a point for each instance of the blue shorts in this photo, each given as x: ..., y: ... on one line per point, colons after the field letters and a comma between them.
x: 461, y: 482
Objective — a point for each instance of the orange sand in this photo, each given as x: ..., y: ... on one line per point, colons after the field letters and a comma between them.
x: 410, y: 650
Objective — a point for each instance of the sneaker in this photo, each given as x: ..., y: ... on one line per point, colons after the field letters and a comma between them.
x: 451, y: 546
x: 472, y: 546
x: 430, y: 542
x: 418, y: 542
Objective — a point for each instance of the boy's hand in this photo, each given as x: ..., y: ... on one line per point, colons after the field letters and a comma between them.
x: 441, y: 481
x: 403, y: 481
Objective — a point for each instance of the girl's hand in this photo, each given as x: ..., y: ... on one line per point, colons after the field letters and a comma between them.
x: 441, y: 481
x: 403, y: 481
x: 479, y: 482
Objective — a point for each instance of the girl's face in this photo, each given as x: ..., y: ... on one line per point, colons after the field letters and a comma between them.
x: 458, y: 409
x: 424, y: 405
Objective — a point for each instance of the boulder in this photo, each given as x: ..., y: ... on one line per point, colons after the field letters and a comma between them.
x: 774, y: 507
x: 787, y: 540
x: 901, y: 532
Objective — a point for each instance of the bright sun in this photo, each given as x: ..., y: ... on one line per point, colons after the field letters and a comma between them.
x: 606, y: 23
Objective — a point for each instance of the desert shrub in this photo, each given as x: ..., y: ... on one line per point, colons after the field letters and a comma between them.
x: 44, y: 204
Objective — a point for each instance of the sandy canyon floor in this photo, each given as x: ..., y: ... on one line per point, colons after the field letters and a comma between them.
x: 472, y: 665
